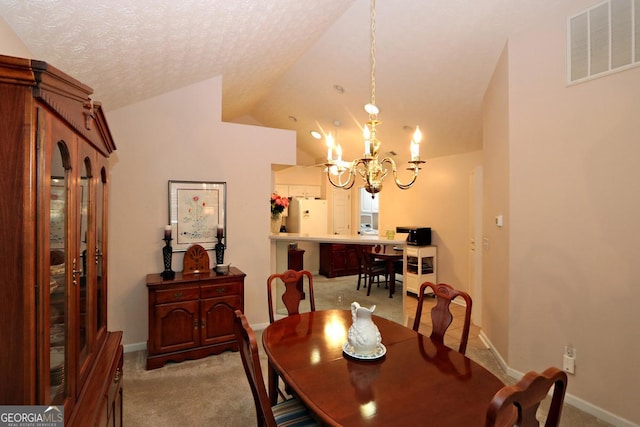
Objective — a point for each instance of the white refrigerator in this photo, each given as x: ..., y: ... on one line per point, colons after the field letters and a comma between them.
x: 307, y: 216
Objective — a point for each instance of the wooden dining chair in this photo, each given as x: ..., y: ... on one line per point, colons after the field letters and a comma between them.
x: 441, y: 316
x: 293, y: 293
x: 371, y: 268
x: 517, y: 405
x: 289, y: 412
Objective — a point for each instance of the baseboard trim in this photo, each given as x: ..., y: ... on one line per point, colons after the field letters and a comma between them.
x: 139, y: 346
x: 581, y: 404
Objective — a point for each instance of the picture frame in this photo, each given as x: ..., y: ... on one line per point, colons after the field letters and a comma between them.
x: 197, y: 214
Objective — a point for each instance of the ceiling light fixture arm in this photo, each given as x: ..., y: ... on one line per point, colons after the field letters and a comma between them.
x: 337, y: 170
x: 414, y: 167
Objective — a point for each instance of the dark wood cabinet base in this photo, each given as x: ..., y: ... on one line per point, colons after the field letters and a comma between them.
x: 159, y: 360
x: 191, y: 315
x: 340, y: 259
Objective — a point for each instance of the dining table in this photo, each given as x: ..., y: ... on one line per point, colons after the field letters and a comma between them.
x: 411, y: 381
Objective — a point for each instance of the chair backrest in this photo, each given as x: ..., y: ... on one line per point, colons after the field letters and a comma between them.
x: 293, y: 292
x: 369, y: 262
x: 517, y: 404
x: 251, y: 361
x: 441, y: 316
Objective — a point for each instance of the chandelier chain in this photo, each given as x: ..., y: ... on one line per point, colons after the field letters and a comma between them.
x: 373, y: 52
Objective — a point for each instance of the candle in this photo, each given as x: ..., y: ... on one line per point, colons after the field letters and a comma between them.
x: 415, y: 144
x: 167, y: 232
x: 220, y: 232
x: 329, y: 146
x: 415, y: 151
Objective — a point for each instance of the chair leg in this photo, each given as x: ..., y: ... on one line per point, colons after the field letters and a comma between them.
x: 369, y: 290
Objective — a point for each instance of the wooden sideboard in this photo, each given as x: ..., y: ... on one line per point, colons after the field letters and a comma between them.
x: 191, y: 316
x: 340, y: 259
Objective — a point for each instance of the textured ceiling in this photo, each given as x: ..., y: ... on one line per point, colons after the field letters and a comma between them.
x: 281, y: 59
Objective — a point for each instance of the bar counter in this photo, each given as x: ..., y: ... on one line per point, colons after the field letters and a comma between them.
x: 311, y: 245
x: 398, y: 240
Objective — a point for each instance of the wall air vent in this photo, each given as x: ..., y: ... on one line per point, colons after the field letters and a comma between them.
x: 603, y: 39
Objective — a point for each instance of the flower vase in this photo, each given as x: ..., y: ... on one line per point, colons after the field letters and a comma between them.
x: 276, y: 222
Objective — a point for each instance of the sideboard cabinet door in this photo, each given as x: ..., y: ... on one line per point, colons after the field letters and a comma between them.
x: 177, y: 325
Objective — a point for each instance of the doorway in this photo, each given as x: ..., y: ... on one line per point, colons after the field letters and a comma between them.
x: 369, y: 208
x: 341, y: 212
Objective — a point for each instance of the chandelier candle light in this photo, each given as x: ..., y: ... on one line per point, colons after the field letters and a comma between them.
x: 369, y: 167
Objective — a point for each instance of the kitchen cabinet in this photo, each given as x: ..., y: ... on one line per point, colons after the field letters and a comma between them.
x: 54, y: 182
x: 339, y: 259
x: 420, y: 265
x: 191, y: 316
x: 306, y: 191
x: 368, y: 204
x: 299, y: 190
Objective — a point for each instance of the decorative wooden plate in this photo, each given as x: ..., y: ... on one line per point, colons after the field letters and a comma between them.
x: 196, y: 260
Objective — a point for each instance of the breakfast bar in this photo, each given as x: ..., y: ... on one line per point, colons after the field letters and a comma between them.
x: 280, y: 244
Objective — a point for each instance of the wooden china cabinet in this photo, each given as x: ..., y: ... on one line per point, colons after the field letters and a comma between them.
x: 56, y: 349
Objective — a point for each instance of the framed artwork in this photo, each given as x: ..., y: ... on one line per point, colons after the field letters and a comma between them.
x: 197, y: 214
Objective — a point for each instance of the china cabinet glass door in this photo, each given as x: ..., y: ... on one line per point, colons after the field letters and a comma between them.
x: 58, y: 273
x: 83, y: 264
x: 88, y: 232
x: 100, y: 250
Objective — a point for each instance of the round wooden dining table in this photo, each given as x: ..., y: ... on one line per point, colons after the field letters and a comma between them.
x: 416, y: 383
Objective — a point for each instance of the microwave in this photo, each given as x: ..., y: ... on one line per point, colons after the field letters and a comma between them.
x: 417, y: 236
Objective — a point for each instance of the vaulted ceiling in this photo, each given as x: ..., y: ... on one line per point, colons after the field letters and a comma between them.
x: 280, y: 60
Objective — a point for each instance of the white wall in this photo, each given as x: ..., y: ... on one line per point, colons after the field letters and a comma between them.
x: 573, y: 201
x: 179, y: 136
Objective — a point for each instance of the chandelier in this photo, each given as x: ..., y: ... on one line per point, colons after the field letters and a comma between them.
x: 371, y: 169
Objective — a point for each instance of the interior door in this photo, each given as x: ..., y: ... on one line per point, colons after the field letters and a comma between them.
x: 341, y: 212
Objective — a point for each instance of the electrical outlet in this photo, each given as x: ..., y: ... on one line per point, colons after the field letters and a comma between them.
x: 569, y: 359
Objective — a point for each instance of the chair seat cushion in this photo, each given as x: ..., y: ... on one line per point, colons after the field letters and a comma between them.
x: 292, y: 413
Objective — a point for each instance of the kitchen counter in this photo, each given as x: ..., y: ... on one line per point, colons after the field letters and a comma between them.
x: 398, y: 240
